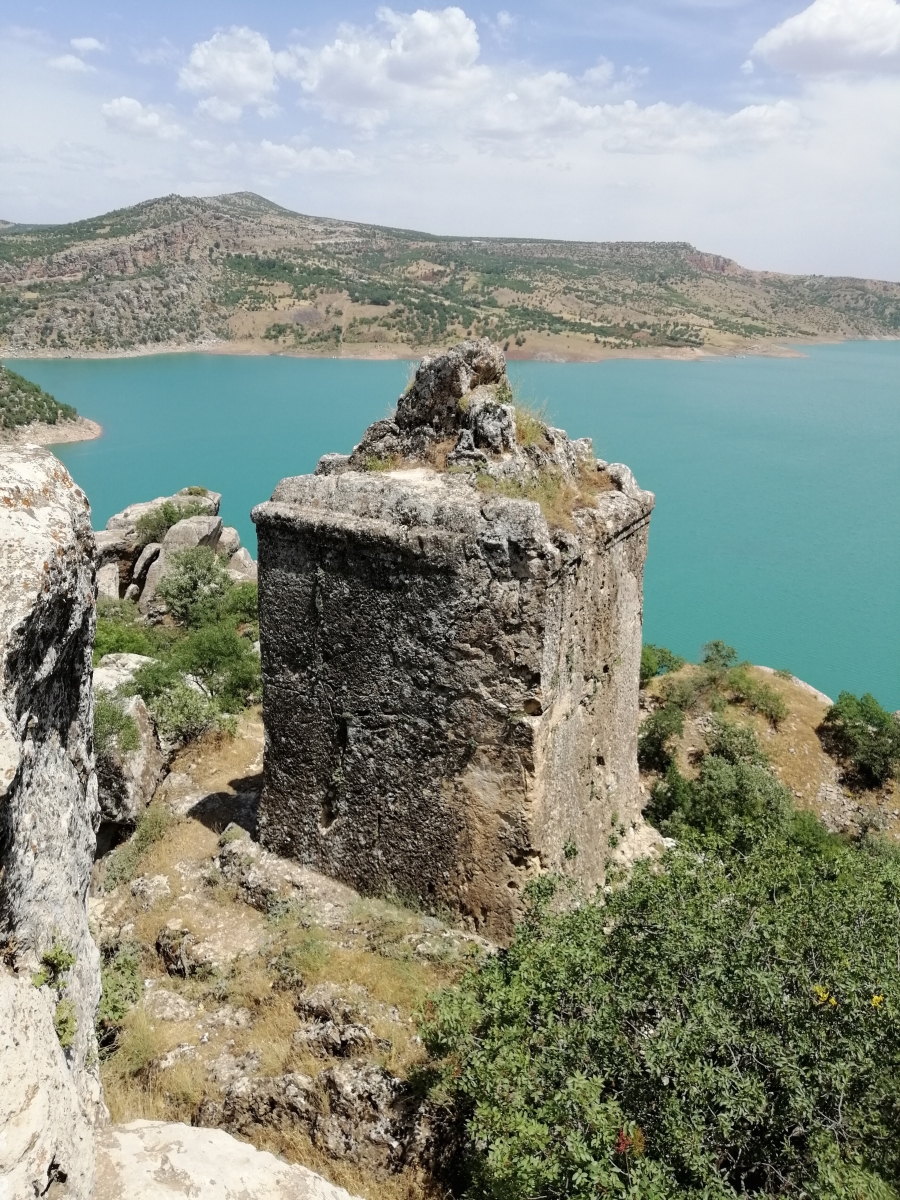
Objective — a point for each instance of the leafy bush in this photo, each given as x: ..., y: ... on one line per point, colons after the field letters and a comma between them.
x: 759, y: 697
x: 55, y: 963
x: 115, y: 637
x: 657, y: 660
x: 241, y: 605
x: 725, y: 799
x: 153, y: 526
x: 114, y: 730
x: 866, y: 735
x: 656, y: 733
x: 727, y: 1024
x: 65, y: 1022
x: 735, y: 743
x: 194, y: 586
x: 181, y: 714
x: 121, y: 990
x: 717, y: 656
x: 153, y: 823
x: 223, y: 662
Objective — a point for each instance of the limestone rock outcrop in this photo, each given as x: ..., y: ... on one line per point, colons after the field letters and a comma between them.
x: 48, y: 788
x: 451, y: 629
x: 45, y: 1137
x: 152, y: 1160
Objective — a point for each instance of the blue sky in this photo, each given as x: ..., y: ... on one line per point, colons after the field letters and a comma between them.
x: 766, y: 130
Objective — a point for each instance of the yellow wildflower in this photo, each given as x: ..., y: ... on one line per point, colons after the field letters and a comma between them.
x: 820, y: 993
x: 876, y: 1001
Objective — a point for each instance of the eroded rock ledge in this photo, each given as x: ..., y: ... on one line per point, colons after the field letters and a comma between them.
x: 451, y: 628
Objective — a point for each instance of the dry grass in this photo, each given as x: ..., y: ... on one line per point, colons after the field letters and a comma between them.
x: 559, y: 496
x: 531, y: 425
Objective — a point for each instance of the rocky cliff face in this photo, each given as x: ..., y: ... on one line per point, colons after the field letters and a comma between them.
x: 451, y: 630
x: 48, y: 789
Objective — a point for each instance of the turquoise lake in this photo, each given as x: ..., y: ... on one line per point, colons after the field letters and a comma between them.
x: 777, y: 526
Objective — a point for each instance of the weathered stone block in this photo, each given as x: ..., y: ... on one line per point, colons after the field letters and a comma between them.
x: 450, y: 675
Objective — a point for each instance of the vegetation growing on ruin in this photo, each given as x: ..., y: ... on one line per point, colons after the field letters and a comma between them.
x: 22, y: 402
x: 725, y: 1023
x: 558, y: 495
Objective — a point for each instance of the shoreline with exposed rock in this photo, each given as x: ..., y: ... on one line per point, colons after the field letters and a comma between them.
x: 42, y: 433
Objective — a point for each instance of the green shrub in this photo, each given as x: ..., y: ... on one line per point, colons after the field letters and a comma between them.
x: 717, y: 656
x: 223, y: 662
x: 735, y: 743
x: 114, y: 730
x: 194, y: 586
x: 181, y: 713
x: 858, y: 730
x: 55, y: 963
x: 657, y: 660
x: 153, y: 823
x: 725, y: 1025
x: 65, y: 1022
x: 741, y: 687
x: 725, y: 799
x: 241, y: 604
x: 115, y: 637
x: 153, y: 526
x: 121, y: 989
x: 655, y: 734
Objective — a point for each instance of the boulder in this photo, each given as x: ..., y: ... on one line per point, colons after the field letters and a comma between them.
x: 127, y: 519
x: 46, y: 1141
x: 193, y: 532
x: 241, y: 567
x: 49, y: 802
x: 355, y: 1112
x: 108, y: 582
x: 127, y: 780
x: 162, y: 1005
x: 150, y: 889
x: 115, y: 670
x: 147, y: 556
x: 229, y: 541
x: 151, y: 1160
x: 148, y: 604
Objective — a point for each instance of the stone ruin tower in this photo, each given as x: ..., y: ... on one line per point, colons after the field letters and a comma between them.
x: 450, y: 621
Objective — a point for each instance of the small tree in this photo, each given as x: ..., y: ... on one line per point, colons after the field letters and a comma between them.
x: 865, y: 735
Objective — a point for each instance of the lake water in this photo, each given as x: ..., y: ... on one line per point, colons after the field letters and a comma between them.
x: 777, y: 480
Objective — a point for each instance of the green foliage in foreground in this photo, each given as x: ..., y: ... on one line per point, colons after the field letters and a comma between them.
x: 22, y: 402
x: 726, y: 1023
x: 865, y: 735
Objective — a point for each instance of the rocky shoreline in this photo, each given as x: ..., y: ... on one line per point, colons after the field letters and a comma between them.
x: 40, y: 433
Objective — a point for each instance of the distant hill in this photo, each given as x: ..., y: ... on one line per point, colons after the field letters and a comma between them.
x: 22, y: 402
x: 184, y: 270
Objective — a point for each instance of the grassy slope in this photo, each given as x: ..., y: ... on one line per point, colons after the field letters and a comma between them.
x: 179, y: 270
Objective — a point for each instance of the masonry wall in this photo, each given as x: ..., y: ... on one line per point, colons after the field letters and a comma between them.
x: 450, y: 688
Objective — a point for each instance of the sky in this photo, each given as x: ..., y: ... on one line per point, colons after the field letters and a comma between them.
x: 759, y: 129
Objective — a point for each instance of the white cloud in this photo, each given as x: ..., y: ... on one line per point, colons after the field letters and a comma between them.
x: 422, y: 58
x: 836, y: 35
x: 86, y: 45
x: 237, y: 69
x: 289, y: 160
x: 68, y: 62
x: 127, y: 115
x: 505, y: 20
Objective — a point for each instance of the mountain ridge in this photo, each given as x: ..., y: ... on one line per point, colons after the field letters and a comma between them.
x: 237, y: 268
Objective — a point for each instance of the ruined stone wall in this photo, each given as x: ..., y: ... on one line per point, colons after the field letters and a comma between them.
x: 450, y: 683
x: 48, y: 789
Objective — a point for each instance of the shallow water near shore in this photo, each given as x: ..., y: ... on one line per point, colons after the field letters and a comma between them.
x: 777, y: 480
